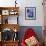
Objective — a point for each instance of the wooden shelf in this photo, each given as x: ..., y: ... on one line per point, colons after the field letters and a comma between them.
x: 4, y: 13
x: 10, y: 26
x: 5, y: 8
x: 9, y: 43
x: 10, y: 9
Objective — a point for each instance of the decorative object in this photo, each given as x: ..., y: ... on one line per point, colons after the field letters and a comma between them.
x: 6, y: 21
x: 15, y: 30
x: 30, y: 13
x: 5, y: 12
x: 7, y: 34
x: 15, y: 37
x: 15, y: 3
x: 13, y: 12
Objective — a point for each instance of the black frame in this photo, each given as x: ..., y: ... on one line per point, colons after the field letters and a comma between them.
x: 33, y: 10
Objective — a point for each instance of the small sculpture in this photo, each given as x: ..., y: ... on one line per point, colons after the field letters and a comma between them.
x: 15, y: 3
x: 6, y: 21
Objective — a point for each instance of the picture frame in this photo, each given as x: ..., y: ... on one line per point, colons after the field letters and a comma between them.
x: 30, y: 13
x: 5, y: 12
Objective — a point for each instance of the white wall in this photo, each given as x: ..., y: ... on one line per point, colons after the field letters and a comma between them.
x: 39, y: 13
x: 27, y: 3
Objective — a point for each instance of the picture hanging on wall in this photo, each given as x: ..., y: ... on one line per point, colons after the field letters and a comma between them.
x: 30, y: 13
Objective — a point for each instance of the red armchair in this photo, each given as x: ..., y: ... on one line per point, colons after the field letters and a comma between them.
x: 28, y: 34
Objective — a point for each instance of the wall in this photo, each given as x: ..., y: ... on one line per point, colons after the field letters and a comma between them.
x: 39, y: 13
x: 27, y: 3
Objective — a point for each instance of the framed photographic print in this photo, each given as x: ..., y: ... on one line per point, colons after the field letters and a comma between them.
x: 5, y: 12
x: 30, y: 13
